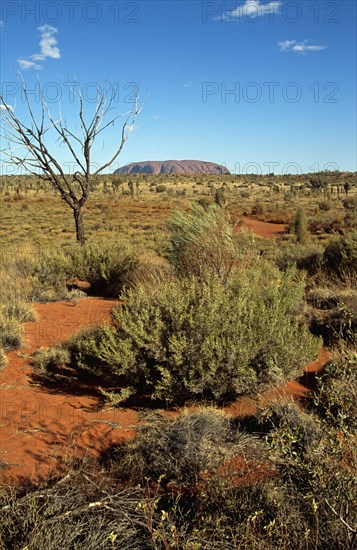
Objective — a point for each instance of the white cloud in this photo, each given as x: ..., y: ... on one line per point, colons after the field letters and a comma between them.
x: 48, y: 44
x: 156, y: 117
x: 299, y: 47
x: 2, y: 24
x: 48, y: 49
x: 25, y: 65
x: 188, y: 84
x: 6, y: 106
x: 252, y: 9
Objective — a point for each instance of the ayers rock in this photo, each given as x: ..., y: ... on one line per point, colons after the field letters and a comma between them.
x: 172, y: 167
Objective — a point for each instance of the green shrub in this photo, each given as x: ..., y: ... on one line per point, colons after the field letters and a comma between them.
x: 98, y: 350
x: 51, y: 358
x: 192, y: 339
x: 50, y: 274
x: 161, y: 188
x: 306, y: 257
x: 301, y: 227
x: 340, y: 255
x: 325, y: 205
x: 108, y: 266
x: 202, y: 243
x: 335, y: 396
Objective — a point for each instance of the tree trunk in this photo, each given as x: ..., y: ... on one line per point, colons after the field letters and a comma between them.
x: 78, y: 218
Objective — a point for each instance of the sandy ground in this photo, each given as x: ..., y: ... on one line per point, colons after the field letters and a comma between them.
x: 41, y: 427
x: 263, y: 229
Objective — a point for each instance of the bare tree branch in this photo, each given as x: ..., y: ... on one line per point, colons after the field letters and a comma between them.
x: 35, y: 157
x: 124, y: 136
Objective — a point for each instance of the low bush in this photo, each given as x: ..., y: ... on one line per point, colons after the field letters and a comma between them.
x: 190, y: 339
x: 258, y: 209
x: 205, y: 202
x: 49, y: 275
x: 150, y: 272
x: 329, y: 296
x: 325, y: 205
x: 50, y: 359
x: 11, y: 333
x: 350, y: 203
x: 108, y: 266
x: 306, y: 257
x: 334, y: 398
x: 160, y: 188
x: 336, y: 320
x: 290, y: 431
x: 340, y: 256
x: 342, y: 323
x: 185, y: 450
x: 98, y: 350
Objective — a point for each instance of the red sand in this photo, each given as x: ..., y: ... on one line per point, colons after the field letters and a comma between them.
x: 263, y: 229
x: 40, y: 427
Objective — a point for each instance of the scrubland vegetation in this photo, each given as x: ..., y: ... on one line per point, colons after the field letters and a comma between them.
x: 209, y: 313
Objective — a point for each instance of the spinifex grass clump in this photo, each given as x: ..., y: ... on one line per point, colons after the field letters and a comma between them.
x: 189, y: 338
x: 11, y: 333
x: 185, y: 450
x: 201, y: 243
x: 289, y: 431
x: 170, y: 488
x: 13, y: 314
x: 21, y: 311
x: 306, y: 257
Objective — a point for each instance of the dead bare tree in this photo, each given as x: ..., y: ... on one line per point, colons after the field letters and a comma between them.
x: 28, y: 145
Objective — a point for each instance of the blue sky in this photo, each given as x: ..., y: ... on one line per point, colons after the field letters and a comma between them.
x: 256, y: 85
